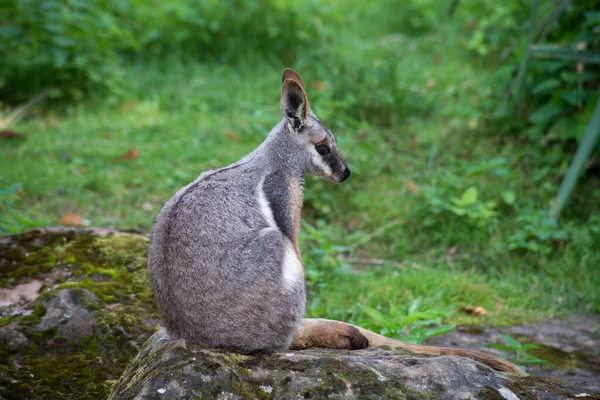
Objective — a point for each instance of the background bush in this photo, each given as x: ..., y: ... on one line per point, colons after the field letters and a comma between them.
x: 78, y: 46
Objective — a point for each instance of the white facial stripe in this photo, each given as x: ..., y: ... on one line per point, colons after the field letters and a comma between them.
x: 263, y: 203
x: 318, y: 161
x: 292, y: 269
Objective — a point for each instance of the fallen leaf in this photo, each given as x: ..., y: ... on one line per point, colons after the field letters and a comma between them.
x: 232, y: 135
x: 8, y: 134
x: 130, y: 155
x: 412, y: 187
x: 71, y: 219
x: 475, y: 310
x: 113, y: 306
x: 319, y: 85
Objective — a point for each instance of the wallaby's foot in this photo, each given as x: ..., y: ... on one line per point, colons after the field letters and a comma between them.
x: 316, y: 332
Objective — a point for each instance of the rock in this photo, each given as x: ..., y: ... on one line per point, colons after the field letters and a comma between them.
x: 69, y: 311
x: 75, y: 334
x: 12, y: 338
x: 175, y: 369
x: 67, y: 339
x: 572, y: 344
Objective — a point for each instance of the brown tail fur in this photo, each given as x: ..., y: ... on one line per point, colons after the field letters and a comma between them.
x: 491, y: 361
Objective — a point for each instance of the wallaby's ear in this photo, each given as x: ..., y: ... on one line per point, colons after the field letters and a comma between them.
x: 289, y: 73
x: 294, y: 103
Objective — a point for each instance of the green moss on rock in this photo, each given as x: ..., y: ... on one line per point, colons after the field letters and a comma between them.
x: 113, y: 268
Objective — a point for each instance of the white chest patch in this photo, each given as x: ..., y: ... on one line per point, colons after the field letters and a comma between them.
x: 292, y: 272
x: 292, y: 269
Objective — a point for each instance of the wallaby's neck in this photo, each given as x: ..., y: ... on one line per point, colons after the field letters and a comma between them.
x: 281, y: 154
x: 281, y: 164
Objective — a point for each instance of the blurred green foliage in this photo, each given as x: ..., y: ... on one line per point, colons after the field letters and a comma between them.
x: 74, y: 46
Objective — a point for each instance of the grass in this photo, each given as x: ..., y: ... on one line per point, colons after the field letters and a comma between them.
x: 412, y: 161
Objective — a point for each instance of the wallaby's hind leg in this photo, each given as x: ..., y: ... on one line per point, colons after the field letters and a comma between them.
x: 317, y: 332
x: 339, y: 335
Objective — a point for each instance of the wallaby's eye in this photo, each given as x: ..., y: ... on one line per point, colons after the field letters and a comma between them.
x: 322, y: 149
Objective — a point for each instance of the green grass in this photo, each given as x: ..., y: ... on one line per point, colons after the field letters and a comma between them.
x: 185, y: 117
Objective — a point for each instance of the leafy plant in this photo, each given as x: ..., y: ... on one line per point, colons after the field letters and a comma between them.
x: 458, y: 195
x: 537, y: 232
x: 520, y: 355
x: 410, y: 324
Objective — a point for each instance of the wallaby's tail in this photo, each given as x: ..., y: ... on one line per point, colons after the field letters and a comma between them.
x: 491, y: 361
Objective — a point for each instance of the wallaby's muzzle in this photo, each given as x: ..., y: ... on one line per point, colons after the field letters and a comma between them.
x: 346, y: 174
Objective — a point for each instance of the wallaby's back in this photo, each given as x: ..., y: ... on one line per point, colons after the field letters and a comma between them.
x: 216, y: 266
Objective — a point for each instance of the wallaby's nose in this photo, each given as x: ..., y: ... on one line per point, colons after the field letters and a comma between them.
x: 346, y: 174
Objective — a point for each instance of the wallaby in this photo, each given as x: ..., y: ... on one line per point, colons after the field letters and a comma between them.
x: 224, y: 259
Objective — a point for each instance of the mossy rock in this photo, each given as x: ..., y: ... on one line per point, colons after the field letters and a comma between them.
x: 175, y: 369
x: 92, y: 315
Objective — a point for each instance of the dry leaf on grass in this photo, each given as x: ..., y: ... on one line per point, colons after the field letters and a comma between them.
x: 475, y: 310
x: 232, y: 135
x: 412, y: 187
x: 130, y: 155
x: 70, y: 219
x: 319, y: 85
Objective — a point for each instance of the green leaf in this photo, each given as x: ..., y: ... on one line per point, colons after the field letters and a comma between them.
x: 375, y: 314
x: 414, y: 305
x: 509, y: 197
x: 514, y: 343
x: 419, y: 316
x: 529, y: 346
x: 585, y: 148
x: 500, y: 346
x: 545, y: 113
x: 469, y: 196
x: 574, y: 97
x: 546, y: 86
x: 438, y: 330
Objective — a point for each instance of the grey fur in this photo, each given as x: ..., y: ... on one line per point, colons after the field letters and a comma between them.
x: 215, y: 266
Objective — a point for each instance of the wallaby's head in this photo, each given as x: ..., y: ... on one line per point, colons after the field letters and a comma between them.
x: 320, y: 152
